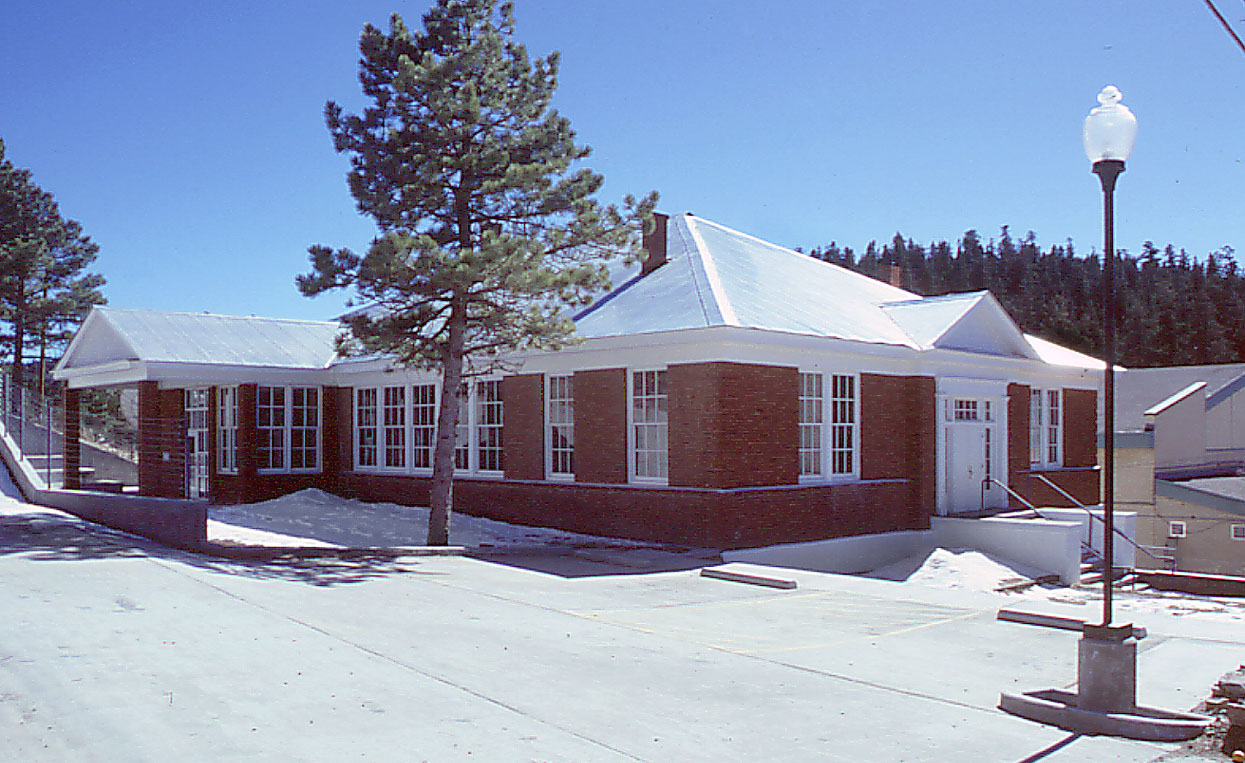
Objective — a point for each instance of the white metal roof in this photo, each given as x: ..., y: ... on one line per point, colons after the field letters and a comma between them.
x: 111, y: 335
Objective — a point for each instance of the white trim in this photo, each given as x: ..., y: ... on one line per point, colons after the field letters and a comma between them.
x: 632, y: 476
x: 827, y: 474
x: 287, y: 430
x: 548, y: 424
x: 1177, y: 528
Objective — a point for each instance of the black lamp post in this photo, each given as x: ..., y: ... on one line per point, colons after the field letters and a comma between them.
x: 1109, y: 133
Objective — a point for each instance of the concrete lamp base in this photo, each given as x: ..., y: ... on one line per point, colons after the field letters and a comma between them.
x: 1106, y: 701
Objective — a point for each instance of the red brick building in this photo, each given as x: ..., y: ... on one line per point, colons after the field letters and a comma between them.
x: 730, y: 393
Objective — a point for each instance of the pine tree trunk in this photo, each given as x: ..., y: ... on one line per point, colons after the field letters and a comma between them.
x: 19, y: 340
x: 441, y: 494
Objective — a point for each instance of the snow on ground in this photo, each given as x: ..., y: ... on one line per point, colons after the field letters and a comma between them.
x: 315, y: 518
x: 956, y: 568
x: 968, y: 569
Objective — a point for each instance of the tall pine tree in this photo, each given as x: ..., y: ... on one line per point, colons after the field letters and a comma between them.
x: 487, y: 231
x: 45, y: 285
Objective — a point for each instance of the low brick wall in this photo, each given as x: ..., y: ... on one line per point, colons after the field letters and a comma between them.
x: 739, y: 518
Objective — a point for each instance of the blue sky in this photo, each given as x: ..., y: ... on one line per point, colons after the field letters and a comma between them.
x: 188, y: 138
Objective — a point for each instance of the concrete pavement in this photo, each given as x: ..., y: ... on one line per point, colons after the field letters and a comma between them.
x: 112, y: 648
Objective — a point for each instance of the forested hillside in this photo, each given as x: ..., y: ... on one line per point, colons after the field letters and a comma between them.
x: 1173, y: 309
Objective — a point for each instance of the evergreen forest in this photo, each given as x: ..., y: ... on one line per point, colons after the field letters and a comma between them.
x: 1171, y: 309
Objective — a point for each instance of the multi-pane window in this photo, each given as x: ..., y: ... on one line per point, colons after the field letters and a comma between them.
x: 561, y: 425
x: 489, y: 425
x: 462, y: 433
x: 1237, y: 532
x: 304, y: 428
x: 423, y: 424
x: 649, y: 419
x: 1045, y: 425
x: 965, y: 410
x: 1053, y: 419
x: 227, y: 430
x: 828, y: 425
x: 270, y: 423
x: 842, y: 424
x: 811, y: 418
x: 393, y: 413
x: 287, y: 420
x: 365, y: 428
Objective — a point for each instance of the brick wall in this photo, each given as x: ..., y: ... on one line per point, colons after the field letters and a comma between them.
x: 70, y: 445
x: 1080, y: 427
x: 898, y: 417
x: 1017, y: 439
x: 161, y: 441
x: 523, y: 433
x: 601, y: 426
x: 733, y: 425
x: 697, y: 517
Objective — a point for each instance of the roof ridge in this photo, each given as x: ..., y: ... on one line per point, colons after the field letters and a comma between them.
x: 725, y: 309
x: 264, y: 318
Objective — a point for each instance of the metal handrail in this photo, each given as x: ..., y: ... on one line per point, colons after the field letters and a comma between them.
x: 1091, y: 514
x: 1085, y: 547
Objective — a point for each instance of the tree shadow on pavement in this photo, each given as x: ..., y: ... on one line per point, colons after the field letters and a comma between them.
x: 54, y: 537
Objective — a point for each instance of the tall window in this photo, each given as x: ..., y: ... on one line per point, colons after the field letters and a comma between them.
x: 649, y: 417
x: 1053, y: 420
x: 270, y: 422
x: 1045, y: 427
x: 365, y: 428
x: 489, y: 425
x: 828, y: 426
x: 304, y: 428
x: 227, y: 430
x: 462, y: 434
x: 842, y: 424
x: 811, y: 419
x: 394, y: 416
x: 561, y: 419
x: 423, y: 424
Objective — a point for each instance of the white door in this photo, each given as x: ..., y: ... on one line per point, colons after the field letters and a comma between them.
x: 971, y: 459
x: 197, y: 443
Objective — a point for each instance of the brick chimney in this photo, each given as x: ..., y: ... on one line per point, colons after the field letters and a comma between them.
x: 896, y: 276
x: 655, y: 245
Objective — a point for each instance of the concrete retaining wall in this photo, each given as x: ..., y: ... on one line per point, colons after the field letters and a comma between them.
x: 1053, y: 546
x: 172, y: 522
x: 860, y: 553
x: 1092, y: 531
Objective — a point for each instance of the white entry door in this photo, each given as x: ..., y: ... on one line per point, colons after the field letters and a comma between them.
x: 971, y: 440
x: 197, y: 443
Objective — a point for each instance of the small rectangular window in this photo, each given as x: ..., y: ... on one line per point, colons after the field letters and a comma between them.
x: 1177, y: 529
x: 966, y: 410
x: 1238, y: 532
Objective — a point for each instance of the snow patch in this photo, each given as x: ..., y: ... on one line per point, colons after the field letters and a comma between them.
x: 315, y: 518
x: 965, y: 569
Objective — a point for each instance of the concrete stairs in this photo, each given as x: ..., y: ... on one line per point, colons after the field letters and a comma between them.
x: 1091, y: 575
x: 53, y: 465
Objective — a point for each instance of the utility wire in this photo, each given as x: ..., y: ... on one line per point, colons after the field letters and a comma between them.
x: 1226, y: 26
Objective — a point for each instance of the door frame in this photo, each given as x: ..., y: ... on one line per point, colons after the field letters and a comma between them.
x: 994, y: 392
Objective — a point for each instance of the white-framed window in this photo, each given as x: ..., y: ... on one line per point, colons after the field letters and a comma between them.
x: 1237, y: 532
x: 560, y: 408
x: 270, y: 423
x: 649, y: 425
x: 365, y: 418
x: 1045, y: 427
x: 227, y: 430
x: 288, y: 423
x: 395, y: 427
x: 393, y: 418
x: 488, y: 425
x: 1177, y: 529
x: 462, y: 433
x: 829, y: 426
x: 812, y: 404
x: 423, y: 424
